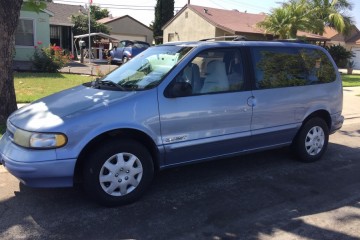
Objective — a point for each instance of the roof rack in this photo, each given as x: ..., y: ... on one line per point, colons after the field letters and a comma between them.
x: 232, y: 38
x: 290, y: 40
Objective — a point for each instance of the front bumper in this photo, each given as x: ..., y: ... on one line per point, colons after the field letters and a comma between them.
x: 36, y: 168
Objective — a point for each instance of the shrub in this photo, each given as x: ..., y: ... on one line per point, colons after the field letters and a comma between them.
x: 50, y: 59
x: 340, y: 55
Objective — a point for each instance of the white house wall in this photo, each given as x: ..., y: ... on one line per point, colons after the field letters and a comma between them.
x: 356, y: 59
x: 190, y: 28
x: 128, y: 29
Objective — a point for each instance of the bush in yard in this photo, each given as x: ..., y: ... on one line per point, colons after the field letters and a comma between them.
x: 50, y: 59
x: 340, y: 55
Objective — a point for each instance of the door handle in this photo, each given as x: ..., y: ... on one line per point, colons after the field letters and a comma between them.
x: 251, y: 101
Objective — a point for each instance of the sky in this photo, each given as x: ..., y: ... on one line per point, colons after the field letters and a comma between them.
x: 143, y: 10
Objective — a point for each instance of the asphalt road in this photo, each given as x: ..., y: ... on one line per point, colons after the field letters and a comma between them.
x: 259, y: 196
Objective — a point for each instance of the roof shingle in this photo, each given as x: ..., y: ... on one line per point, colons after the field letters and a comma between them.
x: 237, y: 22
x: 232, y: 20
x: 63, y: 13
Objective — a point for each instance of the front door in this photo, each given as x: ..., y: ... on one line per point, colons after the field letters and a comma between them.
x: 204, y: 112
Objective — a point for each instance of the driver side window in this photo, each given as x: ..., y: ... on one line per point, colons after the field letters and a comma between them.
x: 211, y: 71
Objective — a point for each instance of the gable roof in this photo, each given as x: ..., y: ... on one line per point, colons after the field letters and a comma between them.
x: 63, y: 13
x: 230, y: 20
x: 234, y: 21
x: 109, y: 19
x: 353, y: 37
x: 330, y: 32
x: 112, y: 19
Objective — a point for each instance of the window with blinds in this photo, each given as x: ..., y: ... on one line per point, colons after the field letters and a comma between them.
x: 24, y: 35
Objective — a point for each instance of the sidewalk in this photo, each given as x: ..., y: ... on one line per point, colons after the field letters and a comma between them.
x: 88, y: 68
x: 351, y: 104
x: 344, y: 70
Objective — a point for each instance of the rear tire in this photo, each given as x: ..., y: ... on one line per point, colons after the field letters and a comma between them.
x: 312, y: 140
x: 117, y: 172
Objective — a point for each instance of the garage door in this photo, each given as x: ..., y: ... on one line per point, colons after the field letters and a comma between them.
x: 356, y: 59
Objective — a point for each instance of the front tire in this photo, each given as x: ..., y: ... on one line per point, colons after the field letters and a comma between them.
x: 125, y: 59
x: 117, y: 172
x: 312, y: 140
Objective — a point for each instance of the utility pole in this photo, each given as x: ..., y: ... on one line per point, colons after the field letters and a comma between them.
x: 89, y: 10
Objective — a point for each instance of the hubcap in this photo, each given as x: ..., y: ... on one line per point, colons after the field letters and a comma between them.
x: 120, y: 174
x: 314, y: 141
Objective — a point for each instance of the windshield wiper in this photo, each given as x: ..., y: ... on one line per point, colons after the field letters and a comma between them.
x: 97, y: 83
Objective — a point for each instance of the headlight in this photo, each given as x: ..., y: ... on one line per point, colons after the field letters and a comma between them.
x: 39, y: 140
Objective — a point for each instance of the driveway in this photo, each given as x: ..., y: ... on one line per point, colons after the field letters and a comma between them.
x: 259, y: 196
x: 351, y: 105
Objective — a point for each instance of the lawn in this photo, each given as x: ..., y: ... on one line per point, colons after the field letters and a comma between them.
x: 350, y: 80
x: 32, y: 86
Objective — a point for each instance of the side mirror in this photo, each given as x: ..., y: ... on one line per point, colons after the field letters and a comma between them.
x: 179, y: 89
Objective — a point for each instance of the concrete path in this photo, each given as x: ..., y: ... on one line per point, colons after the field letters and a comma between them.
x: 94, y: 69
x: 351, y: 104
x: 344, y: 70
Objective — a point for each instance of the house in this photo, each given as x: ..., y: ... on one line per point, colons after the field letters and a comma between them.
x: 197, y: 22
x: 128, y: 28
x: 351, y: 42
x: 61, y: 33
x: 32, y: 31
x: 50, y: 26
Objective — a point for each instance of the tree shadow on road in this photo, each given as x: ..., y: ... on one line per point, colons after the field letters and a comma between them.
x: 257, y: 196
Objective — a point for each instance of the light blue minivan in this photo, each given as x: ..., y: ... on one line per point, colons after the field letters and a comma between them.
x: 174, y: 104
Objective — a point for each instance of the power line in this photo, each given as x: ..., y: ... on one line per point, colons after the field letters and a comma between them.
x: 119, y: 6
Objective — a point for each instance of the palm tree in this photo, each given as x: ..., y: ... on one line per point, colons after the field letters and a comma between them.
x: 285, y: 21
x: 333, y: 14
x: 276, y: 23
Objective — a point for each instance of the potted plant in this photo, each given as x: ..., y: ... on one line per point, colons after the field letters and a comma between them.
x: 350, y: 66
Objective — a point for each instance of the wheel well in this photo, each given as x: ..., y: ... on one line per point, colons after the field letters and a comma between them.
x: 323, y: 114
x: 118, y: 133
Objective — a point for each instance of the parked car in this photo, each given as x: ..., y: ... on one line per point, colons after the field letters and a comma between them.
x: 175, y: 104
x: 127, y: 50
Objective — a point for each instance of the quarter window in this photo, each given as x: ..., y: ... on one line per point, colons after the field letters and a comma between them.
x: 318, y: 67
x: 287, y: 67
x: 24, y: 35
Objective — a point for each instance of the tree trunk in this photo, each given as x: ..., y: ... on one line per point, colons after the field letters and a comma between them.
x: 9, y: 18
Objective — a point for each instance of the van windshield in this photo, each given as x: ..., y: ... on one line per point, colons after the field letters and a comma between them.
x: 147, y: 69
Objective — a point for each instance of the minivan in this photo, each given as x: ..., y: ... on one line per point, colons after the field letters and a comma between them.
x: 176, y: 104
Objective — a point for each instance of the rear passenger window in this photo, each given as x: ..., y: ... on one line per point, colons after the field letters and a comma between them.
x: 287, y: 67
